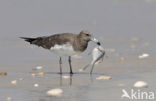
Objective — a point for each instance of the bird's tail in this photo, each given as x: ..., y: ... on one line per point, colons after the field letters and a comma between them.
x: 39, y: 41
x: 30, y: 40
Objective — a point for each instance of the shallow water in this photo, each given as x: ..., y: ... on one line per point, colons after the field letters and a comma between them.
x: 126, y: 28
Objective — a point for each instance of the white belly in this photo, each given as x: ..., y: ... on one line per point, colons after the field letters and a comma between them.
x: 63, y: 50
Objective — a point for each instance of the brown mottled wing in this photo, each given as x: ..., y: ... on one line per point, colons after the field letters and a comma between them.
x: 50, y: 41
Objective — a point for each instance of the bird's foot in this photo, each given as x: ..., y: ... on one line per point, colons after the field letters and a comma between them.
x: 71, y: 73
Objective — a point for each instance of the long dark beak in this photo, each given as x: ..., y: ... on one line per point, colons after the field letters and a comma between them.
x: 96, y: 41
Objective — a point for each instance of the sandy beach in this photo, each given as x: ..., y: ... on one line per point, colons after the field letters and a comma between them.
x: 125, y: 28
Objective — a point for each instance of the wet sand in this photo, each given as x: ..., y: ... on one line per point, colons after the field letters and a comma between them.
x: 126, y: 30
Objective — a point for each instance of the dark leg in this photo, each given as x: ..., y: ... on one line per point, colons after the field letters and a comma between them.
x: 60, y: 62
x: 71, y: 72
x: 92, y: 69
x: 85, y: 67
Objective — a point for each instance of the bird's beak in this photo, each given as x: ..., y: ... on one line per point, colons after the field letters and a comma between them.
x: 96, y: 41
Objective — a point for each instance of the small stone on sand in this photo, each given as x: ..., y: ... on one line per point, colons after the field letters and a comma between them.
x: 80, y: 70
x: 39, y: 67
x: 122, y: 59
x: 21, y: 79
x: 98, y: 62
x: 104, y: 78
x: 144, y: 55
x: 9, y: 99
x: 14, y: 82
x: 40, y: 73
x: 55, y: 92
x: 66, y: 77
x: 3, y: 73
x: 36, y: 85
x: 121, y: 84
x: 33, y: 75
x: 141, y: 84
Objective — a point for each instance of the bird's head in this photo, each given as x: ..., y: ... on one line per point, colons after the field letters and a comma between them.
x: 85, y: 35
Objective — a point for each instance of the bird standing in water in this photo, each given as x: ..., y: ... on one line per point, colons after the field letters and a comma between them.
x: 64, y: 44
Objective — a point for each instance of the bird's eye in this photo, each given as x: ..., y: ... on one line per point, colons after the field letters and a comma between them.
x: 87, y: 34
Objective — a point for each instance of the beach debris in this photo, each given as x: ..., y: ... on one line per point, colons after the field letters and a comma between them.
x: 14, y: 82
x: 21, y: 79
x: 81, y: 70
x: 144, y: 55
x: 41, y: 73
x: 122, y: 59
x: 55, y: 92
x: 141, y: 84
x: 104, y: 78
x: 97, y: 56
x: 9, y: 99
x: 98, y: 62
x: 33, y: 75
x: 121, y: 84
x: 3, y: 73
x: 38, y: 68
x: 66, y: 77
x: 36, y: 85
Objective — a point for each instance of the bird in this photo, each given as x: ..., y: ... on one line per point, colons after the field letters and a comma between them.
x: 64, y: 44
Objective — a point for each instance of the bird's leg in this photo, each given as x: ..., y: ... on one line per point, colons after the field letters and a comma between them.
x: 69, y: 59
x: 60, y: 62
x: 85, y: 67
x: 92, y: 68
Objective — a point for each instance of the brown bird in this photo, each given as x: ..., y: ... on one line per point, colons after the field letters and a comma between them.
x: 64, y: 44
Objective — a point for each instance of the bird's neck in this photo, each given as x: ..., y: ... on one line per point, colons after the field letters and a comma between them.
x: 80, y: 44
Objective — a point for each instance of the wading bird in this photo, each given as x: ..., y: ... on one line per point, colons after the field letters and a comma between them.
x: 64, y: 44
